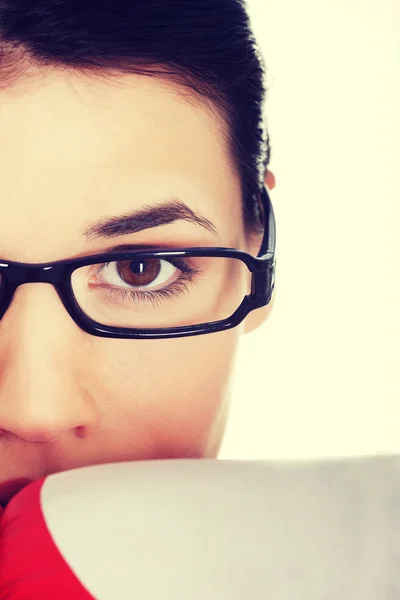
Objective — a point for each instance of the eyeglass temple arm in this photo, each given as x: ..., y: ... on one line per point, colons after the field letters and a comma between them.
x: 269, y: 239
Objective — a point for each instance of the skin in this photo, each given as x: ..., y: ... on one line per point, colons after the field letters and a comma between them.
x: 75, y: 150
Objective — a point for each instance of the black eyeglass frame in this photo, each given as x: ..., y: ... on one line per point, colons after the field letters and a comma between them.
x: 59, y: 275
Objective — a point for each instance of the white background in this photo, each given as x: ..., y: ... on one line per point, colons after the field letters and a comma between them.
x: 321, y: 377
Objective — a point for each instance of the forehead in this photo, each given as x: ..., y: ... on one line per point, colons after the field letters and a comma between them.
x: 79, y: 147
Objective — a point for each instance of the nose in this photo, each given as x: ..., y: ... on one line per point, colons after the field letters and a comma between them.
x: 42, y: 373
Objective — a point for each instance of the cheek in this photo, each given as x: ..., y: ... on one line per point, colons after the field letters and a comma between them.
x: 165, y: 397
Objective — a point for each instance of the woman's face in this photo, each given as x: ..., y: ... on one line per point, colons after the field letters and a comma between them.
x: 73, y: 152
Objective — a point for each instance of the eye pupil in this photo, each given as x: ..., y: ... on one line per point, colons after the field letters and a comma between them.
x: 139, y: 272
x: 137, y: 267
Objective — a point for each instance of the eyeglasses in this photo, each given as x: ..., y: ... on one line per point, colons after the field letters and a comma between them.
x: 158, y: 293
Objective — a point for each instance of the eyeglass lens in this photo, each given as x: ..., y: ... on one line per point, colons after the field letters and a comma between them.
x: 160, y: 292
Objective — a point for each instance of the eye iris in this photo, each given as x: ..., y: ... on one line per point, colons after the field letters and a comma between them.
x: 139, y: 272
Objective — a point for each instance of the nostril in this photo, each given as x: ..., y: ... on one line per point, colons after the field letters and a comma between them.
x: 80, y: 431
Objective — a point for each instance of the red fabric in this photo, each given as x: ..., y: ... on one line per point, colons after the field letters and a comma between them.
x: 31, y: 566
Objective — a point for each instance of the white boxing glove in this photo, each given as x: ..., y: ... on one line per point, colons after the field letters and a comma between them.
x: 204, y: 529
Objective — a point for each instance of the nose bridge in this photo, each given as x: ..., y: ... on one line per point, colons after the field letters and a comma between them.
x: 42, y: 394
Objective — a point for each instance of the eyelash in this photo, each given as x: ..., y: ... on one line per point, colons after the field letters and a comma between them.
x: 154, y: 298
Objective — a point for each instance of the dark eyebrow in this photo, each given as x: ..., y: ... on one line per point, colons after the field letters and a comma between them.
x: 147, y: 218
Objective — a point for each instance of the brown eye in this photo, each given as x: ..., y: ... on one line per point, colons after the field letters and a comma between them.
x: 139, y: 272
